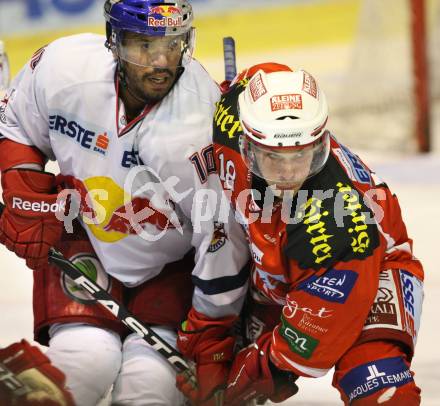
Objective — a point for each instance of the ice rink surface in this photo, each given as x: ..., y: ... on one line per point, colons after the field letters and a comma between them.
x: 414, y: 179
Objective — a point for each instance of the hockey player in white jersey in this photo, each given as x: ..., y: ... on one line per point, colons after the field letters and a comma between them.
x: 130, y: 128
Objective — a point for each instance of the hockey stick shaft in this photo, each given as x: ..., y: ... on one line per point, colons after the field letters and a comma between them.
x: 229, y: 58
x: 230, y: 61
x: 118, y: 310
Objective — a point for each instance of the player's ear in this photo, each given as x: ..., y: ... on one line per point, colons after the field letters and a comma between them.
x: 110, y: 42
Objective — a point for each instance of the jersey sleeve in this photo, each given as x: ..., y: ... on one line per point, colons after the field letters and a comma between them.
x: 398, y: 245
x: 221, y: 273
x: 26, y: 113
x: 323, y: 317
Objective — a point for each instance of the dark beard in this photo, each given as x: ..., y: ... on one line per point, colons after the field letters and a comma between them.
x: 136, y: 91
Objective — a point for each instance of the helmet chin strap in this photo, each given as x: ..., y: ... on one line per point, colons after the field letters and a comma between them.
x: 123, y: 81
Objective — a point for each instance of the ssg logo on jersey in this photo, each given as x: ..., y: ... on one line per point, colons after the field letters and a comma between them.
x: 96, y: 141
x: 412, y: 291
x: 333, y: 286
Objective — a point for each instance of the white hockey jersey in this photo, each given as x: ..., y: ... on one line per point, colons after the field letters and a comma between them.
x: 65, y: 103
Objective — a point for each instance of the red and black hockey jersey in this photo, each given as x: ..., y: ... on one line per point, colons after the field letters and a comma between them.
x: 319, y: 253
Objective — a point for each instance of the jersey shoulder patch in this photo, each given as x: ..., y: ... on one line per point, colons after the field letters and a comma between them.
x: 226, y: 124
x: 330, y: 221
x: 356, y: 170
x: 36, y: 57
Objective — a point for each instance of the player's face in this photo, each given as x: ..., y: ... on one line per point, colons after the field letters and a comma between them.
x: 151, y: 63
x: 286, y: 170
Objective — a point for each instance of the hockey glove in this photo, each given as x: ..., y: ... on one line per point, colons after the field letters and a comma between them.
x: 253, y: 376
x: 44, y: 382
x: 206, y: 342
x: 28, y: 224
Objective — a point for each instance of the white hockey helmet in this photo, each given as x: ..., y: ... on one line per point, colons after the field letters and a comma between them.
x: 283, y: 115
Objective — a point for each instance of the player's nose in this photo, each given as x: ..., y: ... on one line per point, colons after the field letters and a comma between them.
x: 159, y: 59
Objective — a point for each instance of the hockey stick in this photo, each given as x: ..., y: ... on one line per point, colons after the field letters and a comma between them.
x: 229, y: 58
x: 230, y: 62
x: 119, y: 311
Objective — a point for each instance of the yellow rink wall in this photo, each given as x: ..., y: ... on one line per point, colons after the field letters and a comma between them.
x: 255, y: 31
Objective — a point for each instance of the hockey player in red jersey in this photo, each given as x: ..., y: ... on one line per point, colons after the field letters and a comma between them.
x: 334, y: 281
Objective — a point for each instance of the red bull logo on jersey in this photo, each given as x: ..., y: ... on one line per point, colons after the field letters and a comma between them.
x: 125, y: 218
x: 112, y: 214
x: 91, y: 140
x: 165, y: 16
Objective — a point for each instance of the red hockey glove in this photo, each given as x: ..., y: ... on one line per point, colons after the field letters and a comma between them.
x: 206, y: 341
x: 28, y: 225
x: 254, y: 376
x: 30, y: 367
